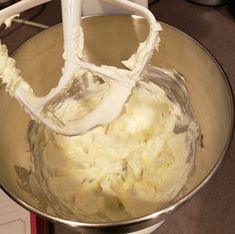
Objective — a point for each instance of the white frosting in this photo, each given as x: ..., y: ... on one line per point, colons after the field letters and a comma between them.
x: 9, y: 74
x: 8, y: 21
x: 120, y: 83
x: 138, y: 61
x: 128, y: 168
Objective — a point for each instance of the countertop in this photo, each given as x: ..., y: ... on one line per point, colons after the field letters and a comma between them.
x: 212, y: 210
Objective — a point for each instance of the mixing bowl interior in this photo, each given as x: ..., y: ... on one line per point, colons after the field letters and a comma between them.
x: 108, y: 40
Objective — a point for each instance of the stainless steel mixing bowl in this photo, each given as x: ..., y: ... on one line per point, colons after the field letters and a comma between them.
x: 108, y: 40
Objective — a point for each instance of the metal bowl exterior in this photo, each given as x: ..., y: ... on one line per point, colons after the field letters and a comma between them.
x: 108, y: 40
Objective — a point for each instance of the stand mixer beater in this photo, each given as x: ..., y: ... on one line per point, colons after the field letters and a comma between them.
x: 119, y: 82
